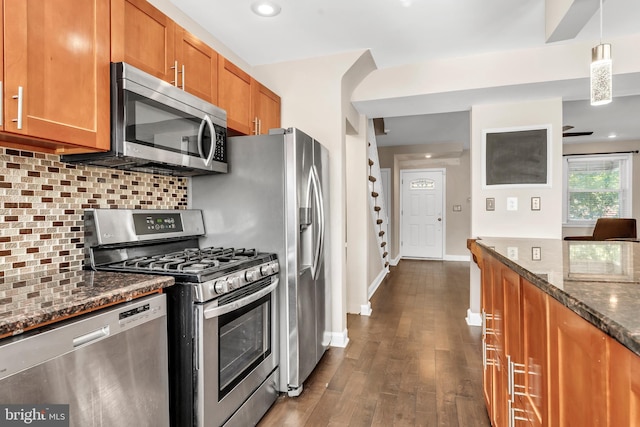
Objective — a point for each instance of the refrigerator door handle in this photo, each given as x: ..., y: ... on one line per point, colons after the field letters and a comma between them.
x: 206, y: 121
x: 319, y: 243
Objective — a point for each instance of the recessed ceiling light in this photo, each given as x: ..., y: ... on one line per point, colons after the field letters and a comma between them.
x: 265, y: 8
x: 612, y: 135
x: 428, y: 156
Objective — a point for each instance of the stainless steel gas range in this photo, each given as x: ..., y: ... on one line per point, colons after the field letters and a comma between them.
x: 223, y: 351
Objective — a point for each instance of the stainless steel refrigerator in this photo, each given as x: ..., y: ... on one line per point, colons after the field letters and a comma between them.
x: 275, y: 198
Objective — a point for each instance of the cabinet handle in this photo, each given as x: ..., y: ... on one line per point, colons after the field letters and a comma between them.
x: 19, y: 98
x: 1, y: 104
x: 183, y: 86
x: 259, y: 127
x: 255, y: 126
x: 512, y: 414
x: 516, y: 368
x: 486, y: 348
x: 175, y: 73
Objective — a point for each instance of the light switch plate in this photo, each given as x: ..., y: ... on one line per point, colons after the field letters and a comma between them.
x: 457, y: 208
x: 536, y: 253
x: 490, y: 204
x: 512, y: 203
x: 535, y: 203
x: 512, y: 252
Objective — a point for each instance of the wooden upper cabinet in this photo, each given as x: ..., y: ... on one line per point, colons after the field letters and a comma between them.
x: 266, y: 109
x: 578, y: 368
x: 148, y: 39
x: 144, y: 37
x: 198, y: 72
x: 2, y: 110
x: 234, y: 95
x: 56, y: 74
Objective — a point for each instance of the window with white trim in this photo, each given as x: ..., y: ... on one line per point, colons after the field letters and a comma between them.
x: 596, y: 186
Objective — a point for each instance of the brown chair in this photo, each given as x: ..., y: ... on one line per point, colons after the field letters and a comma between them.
x: 611, y: 228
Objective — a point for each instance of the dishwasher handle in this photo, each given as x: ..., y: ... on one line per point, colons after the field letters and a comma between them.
x: 91, y: 336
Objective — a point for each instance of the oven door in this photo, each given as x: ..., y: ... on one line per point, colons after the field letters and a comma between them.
x: 237, y: 354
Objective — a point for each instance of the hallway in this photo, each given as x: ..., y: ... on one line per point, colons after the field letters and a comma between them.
x: 413, y: 362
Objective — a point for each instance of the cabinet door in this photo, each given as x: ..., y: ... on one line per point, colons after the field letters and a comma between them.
x: 487, y: 329
x: 58, y: 53
x: 143, y: 36
x: 624, y: 397
x: 577, y: 369
x: 266, y: 105
x: 234, y: 95
x: 198, y: 66
x: 500, y: 369
x: 534, y: 354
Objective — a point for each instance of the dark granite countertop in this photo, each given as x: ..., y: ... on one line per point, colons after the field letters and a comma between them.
x: 600, y: 281
x: 39, y: 298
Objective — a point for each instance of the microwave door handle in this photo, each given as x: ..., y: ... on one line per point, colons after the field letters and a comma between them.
x: 206, y: 121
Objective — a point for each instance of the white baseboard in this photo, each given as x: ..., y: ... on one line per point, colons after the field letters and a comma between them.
x: 473, y: 319
x: 365, y: 309
x: 373, y: 287
x: 339, y: 339
x: 457, y: 258
x: 395, y: 261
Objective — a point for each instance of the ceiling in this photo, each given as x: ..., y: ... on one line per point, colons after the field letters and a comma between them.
x: 399, y: 32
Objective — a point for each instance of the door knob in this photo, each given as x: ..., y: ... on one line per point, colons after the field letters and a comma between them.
x: 439, y: 219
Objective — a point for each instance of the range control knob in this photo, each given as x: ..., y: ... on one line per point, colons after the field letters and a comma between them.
x: 219, y: 286
x: 275, y: 267
x: 266, y: 270
x: 252, y: 275
x: 233, y: 282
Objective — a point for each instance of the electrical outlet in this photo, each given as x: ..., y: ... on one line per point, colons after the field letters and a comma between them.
x: 512, y: 203
x: 536, y: 253
x: 457, y: 208
x: 512, y: 252
x: 490, y: 204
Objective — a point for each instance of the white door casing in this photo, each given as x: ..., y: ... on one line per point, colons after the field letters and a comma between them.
x: 422, y: 213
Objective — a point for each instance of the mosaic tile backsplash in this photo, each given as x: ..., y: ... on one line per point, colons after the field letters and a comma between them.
x: 42, y: 201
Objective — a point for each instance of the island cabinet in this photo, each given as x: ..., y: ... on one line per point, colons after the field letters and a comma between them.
x: 145, y: 38
x: 55, y: 86
x: 624, y: 374
x: 252, y: 109
x: 514, y: 359
x: 577, y: 369
x: 545, y: 365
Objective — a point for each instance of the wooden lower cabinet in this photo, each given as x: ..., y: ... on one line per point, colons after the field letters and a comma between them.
x: 624, y: 374
x: 577, y: 369
x: 532, y: 382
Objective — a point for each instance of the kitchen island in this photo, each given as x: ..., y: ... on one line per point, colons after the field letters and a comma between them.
x: 561, y: 331
x: 32, y: 300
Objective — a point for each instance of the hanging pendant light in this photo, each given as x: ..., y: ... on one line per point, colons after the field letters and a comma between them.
x: 601, y: 72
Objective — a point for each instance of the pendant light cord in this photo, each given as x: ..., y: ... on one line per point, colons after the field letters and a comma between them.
x: 600, y: 21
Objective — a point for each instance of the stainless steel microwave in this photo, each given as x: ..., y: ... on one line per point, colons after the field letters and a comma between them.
x: 159, y: 128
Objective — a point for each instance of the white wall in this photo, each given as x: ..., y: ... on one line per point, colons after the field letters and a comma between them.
x: 545, y: 223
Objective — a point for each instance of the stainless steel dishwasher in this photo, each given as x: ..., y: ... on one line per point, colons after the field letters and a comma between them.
x: 109, y: 366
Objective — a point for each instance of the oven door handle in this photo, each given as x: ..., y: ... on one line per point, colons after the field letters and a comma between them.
x: 217, y: 311
x: 206, y: 121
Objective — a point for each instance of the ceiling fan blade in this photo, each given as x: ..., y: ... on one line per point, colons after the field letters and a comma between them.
x: 567, y: 134
x: 566, y: 128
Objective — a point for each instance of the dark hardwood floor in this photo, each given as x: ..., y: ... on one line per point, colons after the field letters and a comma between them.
x: 413, y: 362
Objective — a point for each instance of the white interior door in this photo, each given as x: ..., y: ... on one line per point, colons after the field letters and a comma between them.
x: 421, y: 212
